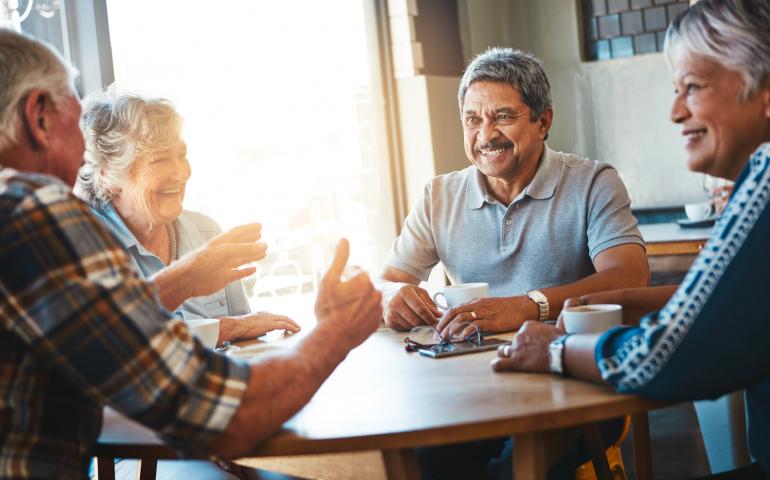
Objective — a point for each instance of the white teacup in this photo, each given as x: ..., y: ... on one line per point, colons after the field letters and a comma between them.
x: 206, y: 329
x: 455, y: 295
x: 592, y: 318
x: 698, y: 211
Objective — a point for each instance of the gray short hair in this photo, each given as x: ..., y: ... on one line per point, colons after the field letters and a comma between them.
x: 118, y: 127
x: 27, y: 64
x: 733, y: 33
x: 520, y: 70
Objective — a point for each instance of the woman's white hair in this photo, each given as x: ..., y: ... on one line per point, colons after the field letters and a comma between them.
x: 733, y: 33
x: 27, y: 64
x: 118, y: 128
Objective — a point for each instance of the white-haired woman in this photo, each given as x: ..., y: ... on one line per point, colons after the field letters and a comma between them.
x: 710, y: 335
x: 134, y: 177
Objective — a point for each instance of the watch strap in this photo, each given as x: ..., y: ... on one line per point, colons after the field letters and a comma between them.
x: 543, y: 307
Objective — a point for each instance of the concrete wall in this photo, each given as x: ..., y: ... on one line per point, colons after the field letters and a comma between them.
x: 613, y: 110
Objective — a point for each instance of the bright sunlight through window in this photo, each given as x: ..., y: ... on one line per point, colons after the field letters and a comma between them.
x: 281, y: 123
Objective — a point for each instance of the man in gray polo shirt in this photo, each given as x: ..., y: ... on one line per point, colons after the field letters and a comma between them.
x: 539, y: 226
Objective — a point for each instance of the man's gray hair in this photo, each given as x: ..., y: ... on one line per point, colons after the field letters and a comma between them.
x: 733, y: 33
x: 118, y: 128
x: 27, y: 64
x: 520, y: 70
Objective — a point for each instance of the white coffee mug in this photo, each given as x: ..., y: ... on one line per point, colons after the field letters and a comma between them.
x: 455, y: 295
x: 206, y: 329
x: 698, y: 211
x: 592, y: 318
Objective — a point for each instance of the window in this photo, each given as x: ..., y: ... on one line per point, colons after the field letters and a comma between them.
x: 76, y: 28
x: 623, y: 28
x: 283, y: 119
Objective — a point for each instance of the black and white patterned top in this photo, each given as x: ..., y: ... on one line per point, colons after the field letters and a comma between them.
x: 713, y: 335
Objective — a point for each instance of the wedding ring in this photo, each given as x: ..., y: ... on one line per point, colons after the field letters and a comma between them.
x: 507, y: 350
x: 473, y: 315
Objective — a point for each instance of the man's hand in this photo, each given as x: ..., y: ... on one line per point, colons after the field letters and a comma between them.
x: 529, y: 350
x: 636, y: 302
x: 488, y: 314
x: 411, y: 306
x: 254, y: 325
x: 351, y: 308
x: 211, y: 267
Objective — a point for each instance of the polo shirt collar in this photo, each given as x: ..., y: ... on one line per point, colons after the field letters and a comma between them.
x: 546, y: 179
x: 542, y: 186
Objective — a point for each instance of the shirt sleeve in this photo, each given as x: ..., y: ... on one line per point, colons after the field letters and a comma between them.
x: 78, y: 302
x: 610, y: 221
x: 712, y: 336
x: 414, y: 251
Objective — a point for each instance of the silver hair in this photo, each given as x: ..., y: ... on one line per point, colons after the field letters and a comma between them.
x: 733, y: 33
x: 118, y: 128
x: 522, y: 71
x: 27, y: 64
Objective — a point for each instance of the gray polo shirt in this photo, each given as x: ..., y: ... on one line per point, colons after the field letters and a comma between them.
x: 571, y: 211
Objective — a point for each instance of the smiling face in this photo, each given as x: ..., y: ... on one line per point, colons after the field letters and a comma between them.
x: 500, y: 138
x: 154, y: 190
x: 721, y: 129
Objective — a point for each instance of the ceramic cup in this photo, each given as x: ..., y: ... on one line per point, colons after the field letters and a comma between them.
x: 698, y: 211
x: 455, y: 295
x: 206, y: 329
x: 592, y: 318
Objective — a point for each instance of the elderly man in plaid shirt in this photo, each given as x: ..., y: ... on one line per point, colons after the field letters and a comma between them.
x: 80, y: 328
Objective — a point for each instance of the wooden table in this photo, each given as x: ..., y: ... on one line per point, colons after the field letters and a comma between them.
x: 671, y: 239
x: 382, y: 398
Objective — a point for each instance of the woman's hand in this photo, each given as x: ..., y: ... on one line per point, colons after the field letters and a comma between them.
x: 211, y: 267
x: 254, y: 325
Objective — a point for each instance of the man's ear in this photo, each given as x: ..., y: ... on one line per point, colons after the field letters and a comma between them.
x: 36, y: 117
x: 544, y: 122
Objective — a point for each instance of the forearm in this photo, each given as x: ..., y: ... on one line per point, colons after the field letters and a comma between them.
x: 609, y: 279
x: 279, y: 387
x: 579, y: 357
x: 172, y: 288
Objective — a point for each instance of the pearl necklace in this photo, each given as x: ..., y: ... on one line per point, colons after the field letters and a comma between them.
x: 173, y: 256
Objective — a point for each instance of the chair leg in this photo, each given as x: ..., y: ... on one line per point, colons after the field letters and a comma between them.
x: 105, y: 468
x: 146, y: 469
x: 597, y: 450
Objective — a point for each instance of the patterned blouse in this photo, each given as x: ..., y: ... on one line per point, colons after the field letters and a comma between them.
x: 713, y: 335
x: 80, y: 329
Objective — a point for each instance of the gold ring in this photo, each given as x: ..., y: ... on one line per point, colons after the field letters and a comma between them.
x: 473, y: 315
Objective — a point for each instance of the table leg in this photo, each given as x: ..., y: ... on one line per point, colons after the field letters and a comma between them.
x: 533, y: 453
x: 401, y: 464
x: 105, y: 468
x: 146, y: 469
x: 642, y: 453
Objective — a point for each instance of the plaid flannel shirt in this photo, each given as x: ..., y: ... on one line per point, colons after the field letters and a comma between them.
x: 80, y: 329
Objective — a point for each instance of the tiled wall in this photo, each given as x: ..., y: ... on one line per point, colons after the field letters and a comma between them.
x: 623, y: 28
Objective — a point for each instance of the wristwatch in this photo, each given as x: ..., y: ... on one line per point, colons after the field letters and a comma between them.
x: 542, y: 304
x: 556, y: 355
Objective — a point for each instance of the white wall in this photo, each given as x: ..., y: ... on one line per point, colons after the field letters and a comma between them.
x: 612, y: 110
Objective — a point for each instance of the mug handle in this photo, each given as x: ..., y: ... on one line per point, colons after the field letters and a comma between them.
x: 435, y: 300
